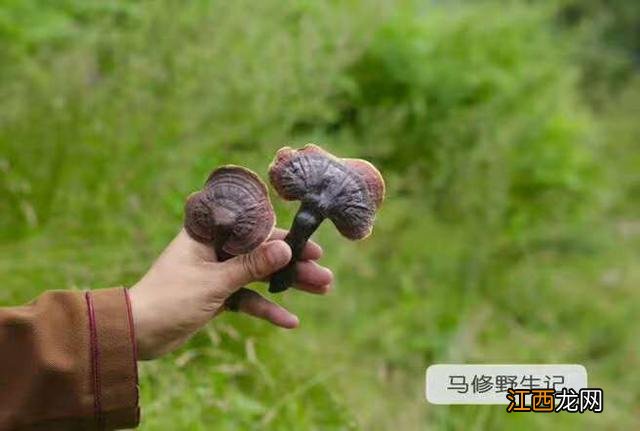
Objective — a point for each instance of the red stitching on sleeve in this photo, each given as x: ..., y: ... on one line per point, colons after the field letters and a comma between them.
x: 95, y: 363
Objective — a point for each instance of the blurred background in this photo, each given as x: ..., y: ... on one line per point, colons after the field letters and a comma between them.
x: 508, y: 135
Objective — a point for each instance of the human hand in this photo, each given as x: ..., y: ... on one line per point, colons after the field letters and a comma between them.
x: 187, y: 286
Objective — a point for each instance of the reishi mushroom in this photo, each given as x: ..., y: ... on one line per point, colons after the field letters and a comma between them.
x: 346, y: 191
x: 232, y: 212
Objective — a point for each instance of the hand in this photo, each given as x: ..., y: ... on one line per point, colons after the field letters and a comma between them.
x: 187, y: 286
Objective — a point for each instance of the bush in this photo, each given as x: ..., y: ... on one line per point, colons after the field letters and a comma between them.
x: 477, y: 108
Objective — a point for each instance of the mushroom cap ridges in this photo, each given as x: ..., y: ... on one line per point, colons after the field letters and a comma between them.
x: 372, y: 176
x: 286, y: 171
x: 233, y: 208
x: 346, y: 191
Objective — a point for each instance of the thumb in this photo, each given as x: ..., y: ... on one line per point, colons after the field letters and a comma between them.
x: 256, y: 265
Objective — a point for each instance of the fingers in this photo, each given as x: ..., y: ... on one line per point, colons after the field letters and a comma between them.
x: 313, y: 278
x: 312, y: 288
x: 187, y: 248
x: 312, y: 251
x: 184, y: 249
x: 254, y: 304
x: 255, y: 265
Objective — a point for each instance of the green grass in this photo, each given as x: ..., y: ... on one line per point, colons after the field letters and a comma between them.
x: 510, y: 231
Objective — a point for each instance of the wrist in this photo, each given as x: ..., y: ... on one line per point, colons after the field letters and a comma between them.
x: 140, y: 323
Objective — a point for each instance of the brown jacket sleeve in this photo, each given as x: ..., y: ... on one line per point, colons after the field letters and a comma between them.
x: 68, y: 362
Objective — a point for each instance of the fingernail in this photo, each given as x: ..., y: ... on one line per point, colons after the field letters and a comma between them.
x: 328, y: 272
x: 293, y: 322
x: 278, y: 253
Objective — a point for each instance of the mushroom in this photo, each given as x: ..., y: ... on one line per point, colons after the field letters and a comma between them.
x: 233, y: 212
x: 346, y: 191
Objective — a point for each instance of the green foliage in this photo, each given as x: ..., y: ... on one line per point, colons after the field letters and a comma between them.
x: 484, y: 110
x: 609, y: 46
x: 510, y: 231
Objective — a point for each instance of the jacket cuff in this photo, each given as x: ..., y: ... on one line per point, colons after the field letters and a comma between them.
x: 113, y: 359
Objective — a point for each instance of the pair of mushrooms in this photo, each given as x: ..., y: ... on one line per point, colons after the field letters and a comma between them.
x: 234, y: 214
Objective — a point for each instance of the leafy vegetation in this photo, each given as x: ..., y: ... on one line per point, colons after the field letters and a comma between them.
x: 508, y: 137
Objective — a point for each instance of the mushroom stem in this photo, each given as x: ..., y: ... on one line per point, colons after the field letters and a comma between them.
x: 218, y: 243
x: 232, y: 303
x: 221, y: 255
x: 304, y: 225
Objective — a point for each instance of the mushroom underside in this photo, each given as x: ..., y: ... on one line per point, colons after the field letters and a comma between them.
x: 233, y: 211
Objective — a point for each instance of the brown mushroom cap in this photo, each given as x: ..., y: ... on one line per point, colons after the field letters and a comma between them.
x: 232, y: 211
x: 347, y: 191
x: 372, y: 176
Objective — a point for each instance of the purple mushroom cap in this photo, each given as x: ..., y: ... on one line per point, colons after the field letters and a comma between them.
x: 232, y: 211
x: 346, y: 191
